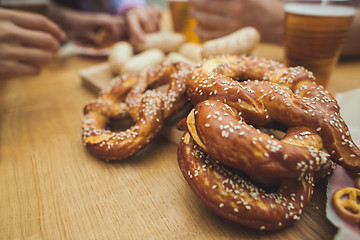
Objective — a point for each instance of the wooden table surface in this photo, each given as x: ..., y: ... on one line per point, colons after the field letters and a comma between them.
x: 52, y: 188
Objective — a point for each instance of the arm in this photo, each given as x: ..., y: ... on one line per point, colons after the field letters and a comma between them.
x: 27, y: 42
x: 140, y: 18
x: 85, y: 25
x: 217, y: 18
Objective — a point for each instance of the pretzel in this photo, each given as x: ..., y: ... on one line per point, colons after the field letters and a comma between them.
x: 133, y: 96
x: 212, y: 122
x: 281, y: 90
x: 299, y: 136
x: 232, y: 196
x: 173, y: 74
x: 235, y: 97
x: 228, y: 194
x: 346, y: 203
x: 110, y: 145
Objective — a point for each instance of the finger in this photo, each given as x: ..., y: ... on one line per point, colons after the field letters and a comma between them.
x: 37, y: 22
x: 32, y: 56
x: 119, y: 26
x: 37, y: 39
x: 135, y: 30
x: 208, y: 20
x: 142, y: 18
x: 155, y: 13
x: 111, y: 23
x: 9, y: 32
x: 222, y: 7
x: 114, y: 24
x: 11, y: 69
x: 89, y: 36
x: 116, y: 27
x: 148, y: 25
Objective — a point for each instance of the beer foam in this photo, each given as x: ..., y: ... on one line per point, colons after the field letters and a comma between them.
x: 320, y: 10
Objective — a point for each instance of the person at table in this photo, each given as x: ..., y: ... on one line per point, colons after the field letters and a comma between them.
x: 29, y: 41
x: 109, y: 14
x: 217, y: 18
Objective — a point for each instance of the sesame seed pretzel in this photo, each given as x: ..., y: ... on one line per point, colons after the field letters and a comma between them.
x: 129, y: 96
x: 225, y: 190
x: 211, y: 122
x: 223, y: 126
x: 283, y: 95
x: 109, y: 145
x: 232, y: 196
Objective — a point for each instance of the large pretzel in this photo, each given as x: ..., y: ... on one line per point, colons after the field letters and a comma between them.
x: 222, y: 127
x: 262, y: 103
x: 147, y: 108
x: 210, y: 123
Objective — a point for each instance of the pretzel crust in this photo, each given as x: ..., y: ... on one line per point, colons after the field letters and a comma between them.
x: 346, y: 203
x: 173, y: 74
x: 279, y: 90
x: 235, y: 97
x: 109, y: 145
x: 131, y: 95
x: 235, y: 198
x: 210, y: 123
x: 110, y: 101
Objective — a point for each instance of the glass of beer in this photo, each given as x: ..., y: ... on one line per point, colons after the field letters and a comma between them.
x: 182, y: 21
x: 315, y: 32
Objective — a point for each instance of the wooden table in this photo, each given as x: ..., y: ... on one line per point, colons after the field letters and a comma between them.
x: 52, y: 188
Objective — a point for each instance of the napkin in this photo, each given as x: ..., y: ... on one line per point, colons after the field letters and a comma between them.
x: 339, y: 179
x: 73, y: 48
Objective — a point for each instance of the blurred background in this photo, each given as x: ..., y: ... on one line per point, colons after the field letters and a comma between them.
x: 161, y: 3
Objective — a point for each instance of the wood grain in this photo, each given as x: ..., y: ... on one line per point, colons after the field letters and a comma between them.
x: 52, y: 188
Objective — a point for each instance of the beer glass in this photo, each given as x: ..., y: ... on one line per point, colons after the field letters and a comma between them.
x: 315, y: 32
x: 182, y: 21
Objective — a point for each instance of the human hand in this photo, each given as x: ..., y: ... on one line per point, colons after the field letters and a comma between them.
x: 88, y: 26
x: 27, y: 42
x: 84, y: 25
x: 217, y: 18
x: 141, y: 20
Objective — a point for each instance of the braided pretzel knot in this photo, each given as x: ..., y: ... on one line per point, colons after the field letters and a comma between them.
x: 149, y: 110
x: 174, y: 97
x: 220, y: 128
